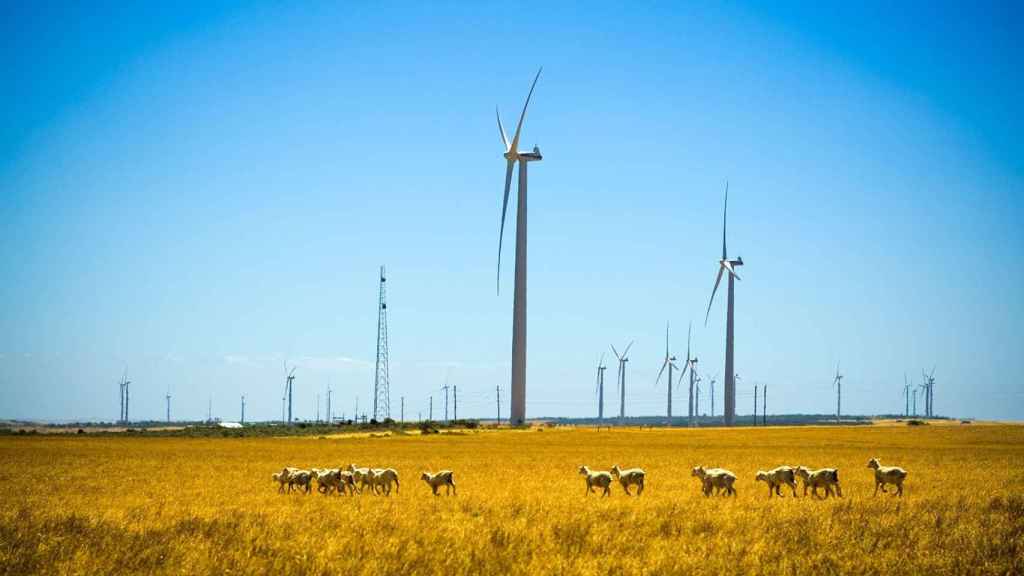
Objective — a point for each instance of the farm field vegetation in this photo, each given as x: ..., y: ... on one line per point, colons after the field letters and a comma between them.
x: 110, y: 504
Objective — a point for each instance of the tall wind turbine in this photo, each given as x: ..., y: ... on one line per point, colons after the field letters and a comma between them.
x: 669, y: 363
x: 837, y: 381
x: 513, y: 154
x: 600, y: 389
x: 906, y: 395
x: 623, y: 358
x: 725, y: 264
x: 168, y: 404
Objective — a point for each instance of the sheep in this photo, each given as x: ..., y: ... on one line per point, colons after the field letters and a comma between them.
x: 346, y: 481
x: 716, y: 478
x: 328, y: 480
x: 302, y: 478
x: 442, y: 478
x: 630, y: 477
x: 382, y: 478
x: 281, y: 478
x: 360, y: 475
x: 827, y: 478
x: 776, y: 478
x: 887, y: 475
x: 599, y: 479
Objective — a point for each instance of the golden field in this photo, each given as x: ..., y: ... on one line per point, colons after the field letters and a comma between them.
x: 109, y: 504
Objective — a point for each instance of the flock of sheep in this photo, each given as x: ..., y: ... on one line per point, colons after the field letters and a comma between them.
x: 713, y: 480
x: 354, y: 479
x: 721, y: 481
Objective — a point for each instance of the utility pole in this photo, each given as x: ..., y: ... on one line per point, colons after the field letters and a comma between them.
x: 764, y: 406
x: 755, y: 404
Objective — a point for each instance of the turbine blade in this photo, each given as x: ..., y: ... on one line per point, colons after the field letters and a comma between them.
x: 682, y: 374
x: 616, y: 352
x: 725, y: 213
x: 504, y: 209
x: 717, y: 281
x: 504, y: 138
x: 662, y: 371
x: 519, y: 127
x: 689, y: 332
x: 626, y: 351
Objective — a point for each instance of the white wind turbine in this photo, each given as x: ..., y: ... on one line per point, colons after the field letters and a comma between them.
x: 512, y: 154
x: 725, y: 264
x: 623, y: 358
x: 669, y: 362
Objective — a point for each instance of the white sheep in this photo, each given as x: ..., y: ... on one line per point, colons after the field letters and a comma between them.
x: 716, y: 478
x: 281, y: 478
x: 887, y: 475
x: 328, y: 480
x: 630, y: 477
x: 346, y: 481
x: 383, y: 478
x: 361, y: 476
x: 827, y: 478
x: 776, y: 478
x: 443, y: 478
x: 599, y: 479
x: 301, y: 478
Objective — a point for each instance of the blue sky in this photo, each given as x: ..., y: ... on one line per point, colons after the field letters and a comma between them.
x: 198, y: 193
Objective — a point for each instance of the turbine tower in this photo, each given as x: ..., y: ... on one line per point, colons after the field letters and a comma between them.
x: 168, y: 404
x: 929, y: 389
x: 669, y: 362
x: 600, y: 388
x: 906, y: 395
x: 512, y: 154
x: 725, y: 264
x: 623, y: 358
x: 381, y: 380
x: 289, y: 379
x: 837, y: 381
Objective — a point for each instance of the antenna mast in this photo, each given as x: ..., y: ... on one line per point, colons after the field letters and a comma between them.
x: 381, y: 380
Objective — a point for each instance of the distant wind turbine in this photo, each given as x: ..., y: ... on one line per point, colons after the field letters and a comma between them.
x: 837, y: 382
x: 668, y: 362
x: 623, y: 358
x: 725, y: 264
x: 600, y: 388
x: 512, y: 154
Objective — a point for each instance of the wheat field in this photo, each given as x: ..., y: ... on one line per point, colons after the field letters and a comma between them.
x: 114, y: 504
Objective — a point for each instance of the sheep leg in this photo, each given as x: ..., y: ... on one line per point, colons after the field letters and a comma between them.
x: 640, y: 490
x: 454, y: 493
x: 839, y: 490
x: 899, y: 489
x: 876, y: 489
x: 607, y: 491
x: 793, y: 486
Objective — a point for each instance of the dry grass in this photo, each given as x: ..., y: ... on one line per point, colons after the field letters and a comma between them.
x: 201, y: 506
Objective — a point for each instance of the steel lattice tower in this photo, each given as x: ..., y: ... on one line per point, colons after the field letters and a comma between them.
x: 381, y: 381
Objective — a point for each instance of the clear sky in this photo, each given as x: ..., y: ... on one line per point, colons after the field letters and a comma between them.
x: 198, y: 193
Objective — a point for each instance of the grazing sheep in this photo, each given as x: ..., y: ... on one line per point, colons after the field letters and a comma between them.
x: 281, y: 478
x: 599, y: 479
x: 630, y: 477
x: 442, y: 478
x: 382, y: 478
x: 827, y: 478
x: 776, y: 478
x: 346, y: 481
x: 327, y: 479
x: 301, y: 478
x: 360, y: 475
x: 887, y: 475
x: 715, y: 478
